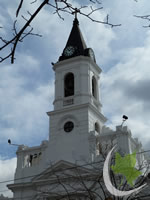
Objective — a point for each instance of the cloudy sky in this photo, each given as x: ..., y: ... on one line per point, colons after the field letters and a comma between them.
x: 27, y: 90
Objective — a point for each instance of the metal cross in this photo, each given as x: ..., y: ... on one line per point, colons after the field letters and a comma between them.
x: 75, y: 12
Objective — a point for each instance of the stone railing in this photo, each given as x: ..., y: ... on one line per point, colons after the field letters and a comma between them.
x: 30, y: 156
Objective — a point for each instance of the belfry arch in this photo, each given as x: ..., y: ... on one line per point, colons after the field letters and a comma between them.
x: 94, y: 87
x: 69, y: 84
x: 97, y: 127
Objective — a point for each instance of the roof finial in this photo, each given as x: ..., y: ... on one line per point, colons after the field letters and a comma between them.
x: 76, y: 10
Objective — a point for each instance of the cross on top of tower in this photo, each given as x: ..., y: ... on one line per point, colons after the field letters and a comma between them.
x: 75, y: 12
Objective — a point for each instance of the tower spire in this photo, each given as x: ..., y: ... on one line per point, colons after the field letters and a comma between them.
x: 75, y: 45
x: 76, y: 22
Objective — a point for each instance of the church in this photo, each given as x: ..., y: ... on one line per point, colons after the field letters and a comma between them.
x: 69, y: 164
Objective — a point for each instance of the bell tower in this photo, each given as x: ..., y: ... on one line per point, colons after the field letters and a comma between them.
x: 77, y: 106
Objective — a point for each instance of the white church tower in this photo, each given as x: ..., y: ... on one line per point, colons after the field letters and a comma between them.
x: 77, y: 107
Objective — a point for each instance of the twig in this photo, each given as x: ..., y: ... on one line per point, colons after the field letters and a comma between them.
x: 33, y: 1
x: 19, y: 7
x: 145, y: 17
x: 17, y: 37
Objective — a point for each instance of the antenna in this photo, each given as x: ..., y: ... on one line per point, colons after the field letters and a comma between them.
x: 124, y: 118
x: 9, y: 142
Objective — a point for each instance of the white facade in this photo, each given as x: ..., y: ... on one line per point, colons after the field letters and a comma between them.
x: 76, y: 131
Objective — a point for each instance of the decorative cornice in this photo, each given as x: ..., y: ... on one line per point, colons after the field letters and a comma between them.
x: 77, y: 107
x: 74, y: 60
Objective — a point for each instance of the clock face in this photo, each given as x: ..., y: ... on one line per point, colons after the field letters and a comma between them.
x: 68, y: 127
x: 91, y: 54
x: 69, y: 51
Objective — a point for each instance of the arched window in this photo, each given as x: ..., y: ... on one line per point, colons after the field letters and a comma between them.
x: 69, y: 85
x: 97, y: 129
x: 94, y: 87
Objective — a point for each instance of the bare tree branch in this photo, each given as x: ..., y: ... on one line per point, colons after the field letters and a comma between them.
x: 33, y: 1
x: 78, y: 181
x: 14, y: 41
x: 19, y: 7
x: 59, y: 6
x: 144, y: 17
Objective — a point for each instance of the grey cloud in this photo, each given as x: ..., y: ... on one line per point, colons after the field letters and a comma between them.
x: 140, y: 90
x: 136, y: 90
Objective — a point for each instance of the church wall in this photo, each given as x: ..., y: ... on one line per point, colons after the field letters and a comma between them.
x: 73, y: 145
x: 92, y: 120
x: 25, y: 193
x: 27, y: 166
x: 83, y: 69
x: 80, y: 75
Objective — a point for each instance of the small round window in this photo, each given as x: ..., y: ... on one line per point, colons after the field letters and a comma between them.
x: 68, y: 127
